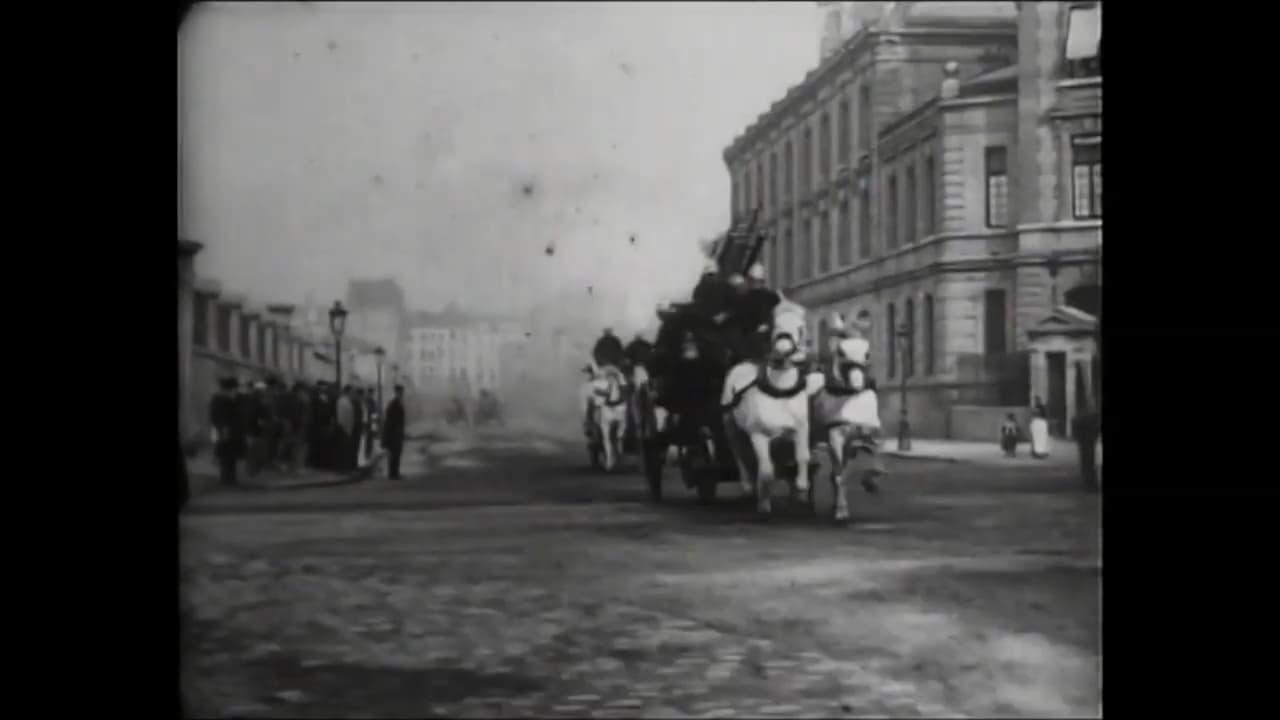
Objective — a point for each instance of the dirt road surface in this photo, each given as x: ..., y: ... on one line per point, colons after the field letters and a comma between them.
x: 502, y: 578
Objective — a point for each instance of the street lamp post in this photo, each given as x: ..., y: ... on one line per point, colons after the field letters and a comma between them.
x: 380, y: 354
x: 904, y: 425
x: 337, y: 324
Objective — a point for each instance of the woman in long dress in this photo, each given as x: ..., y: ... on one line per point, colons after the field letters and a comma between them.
x: 1039, y: 429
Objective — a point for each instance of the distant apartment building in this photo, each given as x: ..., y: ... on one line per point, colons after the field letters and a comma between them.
x: 939, y: 175
x: 379, y: 315
x: 452, y: 351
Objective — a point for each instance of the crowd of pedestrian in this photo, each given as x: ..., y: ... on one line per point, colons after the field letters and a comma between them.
x: 268, y: 426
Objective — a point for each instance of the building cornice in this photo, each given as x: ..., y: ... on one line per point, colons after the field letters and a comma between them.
x: 188, y: 248
x: 977, y: 100
x: 207, y: 286
x: 853, y: 50
x: 830, y: 288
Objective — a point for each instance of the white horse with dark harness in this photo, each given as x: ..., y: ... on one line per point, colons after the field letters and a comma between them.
x: 607, y: 405
x: 769, y: 401
x: 847, y: 412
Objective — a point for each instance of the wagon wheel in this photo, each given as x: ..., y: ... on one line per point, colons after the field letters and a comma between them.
x: 700, y: 473
x: 651, y: 448
x: 822, y: 494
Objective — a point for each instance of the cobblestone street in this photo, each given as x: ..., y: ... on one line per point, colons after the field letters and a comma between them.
x: 508, y: 581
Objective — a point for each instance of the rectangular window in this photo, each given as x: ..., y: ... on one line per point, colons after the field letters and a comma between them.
x: 824, y: 242
x: 1084, y: 41
x: 1086, y: 176
x: 760, y: 184
x: 262, y: 343
x: 773, y: 181
x: 200, y: 320
x: 844, y: 235
x: 246, y: 349
x: 746, y: 192
x: 788, y: 262
x: 909, y: 350
x: 929, y: 200
x: 735, y: 202
x: 824, y: 147
x: 864, y: 223
x: 994, y: 313
x: 997, y: 173
x: 912, y: 218
x: 891, y: 339
x: 788, y: 171
x: 891, y: 214
x: 864, y: 117
x: 224, y: 329
x: 806, y: 161
x: 928, y: 335
x: 804, y: 261
x: 846, y: 141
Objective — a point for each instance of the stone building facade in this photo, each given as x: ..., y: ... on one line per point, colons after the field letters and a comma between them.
x: 221, y: 334
x: 940, y: 172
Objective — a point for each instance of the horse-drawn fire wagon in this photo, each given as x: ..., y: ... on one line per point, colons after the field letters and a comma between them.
x: 728, y: 418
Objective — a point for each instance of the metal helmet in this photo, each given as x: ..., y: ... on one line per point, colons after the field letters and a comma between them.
x: 756, y: 272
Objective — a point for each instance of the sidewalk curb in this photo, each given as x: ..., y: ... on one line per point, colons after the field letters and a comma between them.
x: 917, y: 456
x: 201, y: 484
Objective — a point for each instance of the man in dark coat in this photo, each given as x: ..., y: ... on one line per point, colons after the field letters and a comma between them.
x: 608, y: 350
x: 712, y: 294
x: 638, y: 351
x: 393, y: 432
x: 320, y: 419
x: 753, y: 309
x: 226, y: 417
x: 373, y: 419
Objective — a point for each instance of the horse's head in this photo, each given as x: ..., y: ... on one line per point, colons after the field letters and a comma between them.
x: 787, y: 335
x: 852, y: 357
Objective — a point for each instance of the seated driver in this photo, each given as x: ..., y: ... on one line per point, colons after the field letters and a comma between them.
x: 754, y: 312
x: 608, y: 350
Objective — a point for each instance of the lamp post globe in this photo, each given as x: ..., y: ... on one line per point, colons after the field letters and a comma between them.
x: 904, y: 424
x: 337, y: 325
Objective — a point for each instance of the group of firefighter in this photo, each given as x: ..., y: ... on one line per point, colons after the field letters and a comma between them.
x: 726, y: 322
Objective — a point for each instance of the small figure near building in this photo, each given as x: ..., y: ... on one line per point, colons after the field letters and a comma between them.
x: 227, y: 420
x: 1039, y: 430
x: 1009, y: 435
x: 393, y: 432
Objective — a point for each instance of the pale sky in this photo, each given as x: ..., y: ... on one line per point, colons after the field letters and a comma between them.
x: 322, y: 141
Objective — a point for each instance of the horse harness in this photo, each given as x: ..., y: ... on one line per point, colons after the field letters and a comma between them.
x: 761, y: 383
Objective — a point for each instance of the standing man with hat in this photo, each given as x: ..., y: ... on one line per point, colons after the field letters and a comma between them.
x: 393, y: 432
x: 227, y: 421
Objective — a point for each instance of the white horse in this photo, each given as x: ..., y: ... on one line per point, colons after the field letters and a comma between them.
x: 607, y: 405
x: 771, y: 401
x: 849, y: 412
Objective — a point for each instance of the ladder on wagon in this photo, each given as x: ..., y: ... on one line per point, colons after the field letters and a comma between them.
x: 741, y: 245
